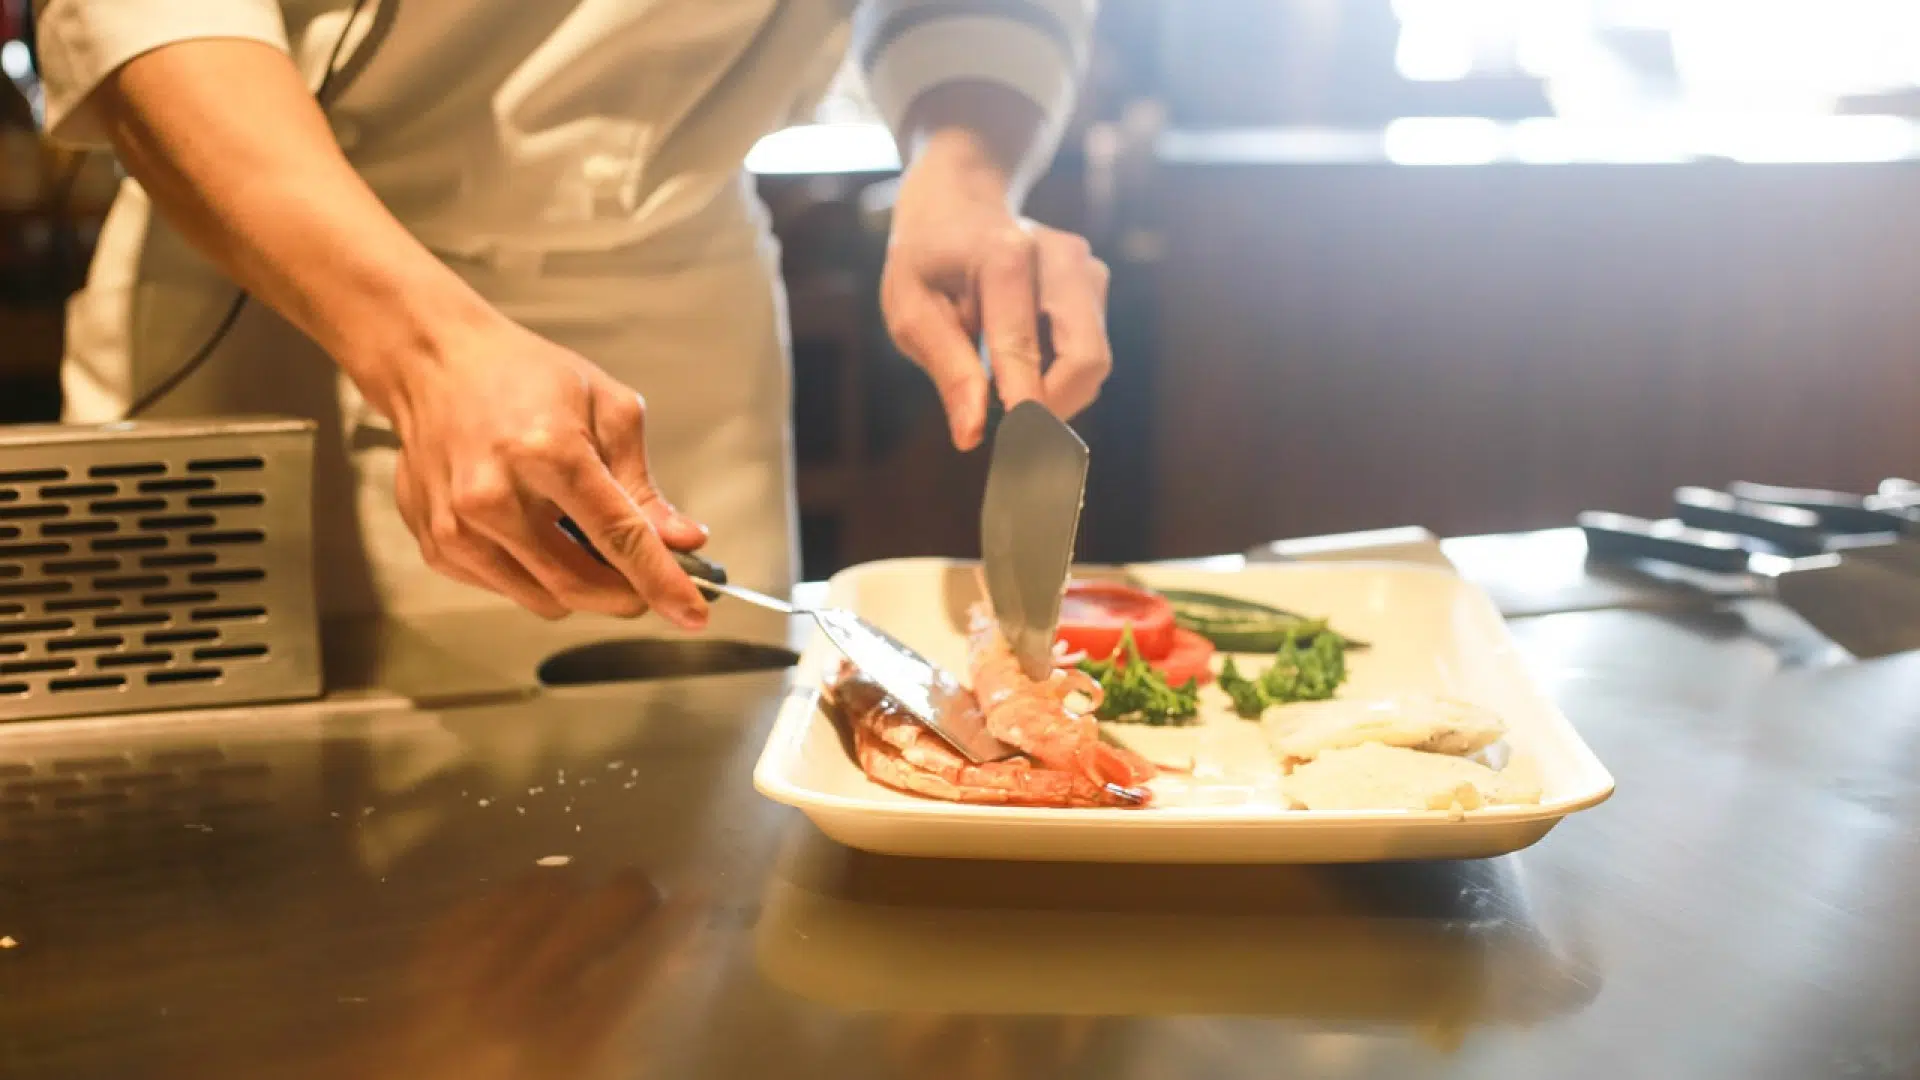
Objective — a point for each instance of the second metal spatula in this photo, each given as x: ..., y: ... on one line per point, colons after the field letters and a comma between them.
x: 935, y: 698
x: 1028, y: 523
x: 1866, y: 607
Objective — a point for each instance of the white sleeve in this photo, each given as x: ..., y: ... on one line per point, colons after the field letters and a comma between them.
x: 1035, y: 47
x: 82, y: 42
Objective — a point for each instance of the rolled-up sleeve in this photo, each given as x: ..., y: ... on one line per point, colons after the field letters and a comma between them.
x: 1035, y: 47
x: 81, y: 42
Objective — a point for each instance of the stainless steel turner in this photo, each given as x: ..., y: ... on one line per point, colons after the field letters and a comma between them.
x: 1028, y: 522
x: 1868, y: 608
x: 940, y: 702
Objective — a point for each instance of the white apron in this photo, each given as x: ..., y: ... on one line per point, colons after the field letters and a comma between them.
x: 579, y: 162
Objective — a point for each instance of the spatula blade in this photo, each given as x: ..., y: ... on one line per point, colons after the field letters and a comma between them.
x: 1028, y: 524
x: 924, y: 688
x: 1866, y: 607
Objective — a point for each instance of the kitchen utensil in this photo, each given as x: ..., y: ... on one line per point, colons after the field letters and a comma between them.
x: 1035, y: 488
x: 1793, y: 529
x: 1785, y: 529
x: 1841, y: 511
x: 1864, y: 606
x: 156, y: 565
x: 940, y: 702
x: 1870, y: 527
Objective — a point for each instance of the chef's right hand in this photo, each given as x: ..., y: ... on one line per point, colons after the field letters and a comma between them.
x: 502, y: 433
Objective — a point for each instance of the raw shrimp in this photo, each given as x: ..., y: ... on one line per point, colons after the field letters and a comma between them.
x: 895, y: 750
x: 1033, y: 716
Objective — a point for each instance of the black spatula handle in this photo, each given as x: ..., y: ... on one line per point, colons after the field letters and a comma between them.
x: 1792, y: 529
x: 694, y: 565
x: 1839, y: 511
x: 1619, y: 537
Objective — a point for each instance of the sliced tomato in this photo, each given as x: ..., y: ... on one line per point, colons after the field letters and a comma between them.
x: 1190, y: 658
x: 1095, y: 614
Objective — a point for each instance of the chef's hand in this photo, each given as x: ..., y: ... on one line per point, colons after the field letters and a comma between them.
x: 961, y: 265
x: 502, y: 432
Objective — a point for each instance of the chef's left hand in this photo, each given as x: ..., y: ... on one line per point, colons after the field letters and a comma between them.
x: 961, y: 265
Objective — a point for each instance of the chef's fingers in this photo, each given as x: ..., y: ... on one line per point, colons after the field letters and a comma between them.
x: 572, y: 476
x: 485, y: 511
x: 456, y: 552
x: 1010, y: 314
x: 413, y: 511
x: 620, y: 425
x: 928, y: 328
x: 1073, y: 292
x: 488, y: 565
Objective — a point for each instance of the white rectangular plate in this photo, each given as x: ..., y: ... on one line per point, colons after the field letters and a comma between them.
x: 1430, y: 632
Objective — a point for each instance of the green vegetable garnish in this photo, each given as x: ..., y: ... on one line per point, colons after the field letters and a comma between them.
x: 1135, y: 693
x: 1237, y: 625
x: 1249, y: 700
x: 1310, y: 665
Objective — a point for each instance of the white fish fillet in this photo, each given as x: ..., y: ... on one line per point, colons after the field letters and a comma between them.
x: 1439, y: 725
x: 1376, y: 777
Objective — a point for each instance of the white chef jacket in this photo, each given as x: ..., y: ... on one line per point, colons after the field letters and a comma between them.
x: 580, y: 162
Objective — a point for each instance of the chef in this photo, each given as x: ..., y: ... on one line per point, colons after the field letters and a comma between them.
x: 505, y: 251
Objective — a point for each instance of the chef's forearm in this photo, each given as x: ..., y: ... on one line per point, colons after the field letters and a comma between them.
x: 228, y: 143
x: 989, y: 134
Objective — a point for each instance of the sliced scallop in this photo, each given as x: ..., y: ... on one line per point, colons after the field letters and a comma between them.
x: 1436, y: 725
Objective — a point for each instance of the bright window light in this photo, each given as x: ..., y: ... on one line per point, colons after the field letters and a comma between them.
x: 1429, y: 55
x: 1777, y: 57
x: 1443, y: 140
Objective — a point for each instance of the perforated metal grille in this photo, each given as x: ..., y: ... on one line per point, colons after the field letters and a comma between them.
x: 154, y: 566
x: 171, y: 787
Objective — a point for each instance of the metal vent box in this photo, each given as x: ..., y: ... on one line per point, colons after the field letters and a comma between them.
x: 156, y: 565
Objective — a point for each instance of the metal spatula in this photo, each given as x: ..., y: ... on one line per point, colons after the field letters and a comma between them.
x: 1803, y: 521
x: 1866, y: 607
x: 941, y: 703
x: 1028, y: 522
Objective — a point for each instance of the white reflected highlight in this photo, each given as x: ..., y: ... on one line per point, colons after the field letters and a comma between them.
x: 1444, y: 140
x: 825, y: 148
x: 14, y: 61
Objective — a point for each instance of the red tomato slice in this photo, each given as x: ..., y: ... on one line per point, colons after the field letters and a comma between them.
x: 1190, y: 658
x: 1095, y: 614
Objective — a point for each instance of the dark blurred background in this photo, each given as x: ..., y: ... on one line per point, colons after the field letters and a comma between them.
x: 1469, y: 264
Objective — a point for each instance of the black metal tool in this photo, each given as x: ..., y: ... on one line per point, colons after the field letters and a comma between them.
x: 1865, y: 606
x: 1840, y: 511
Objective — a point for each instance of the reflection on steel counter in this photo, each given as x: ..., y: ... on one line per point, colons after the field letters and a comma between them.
x: 1437, y: 947
x: 254, y: 893
x: 534, y: 977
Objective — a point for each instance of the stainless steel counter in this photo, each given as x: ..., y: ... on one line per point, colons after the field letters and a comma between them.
x: 509, y: 883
